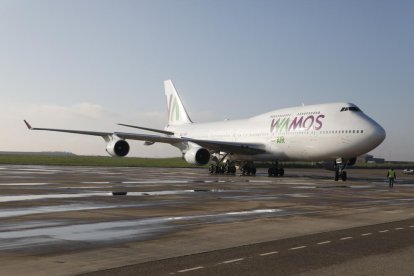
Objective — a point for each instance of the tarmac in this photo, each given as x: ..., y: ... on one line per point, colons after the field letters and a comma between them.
x: 58, y: 220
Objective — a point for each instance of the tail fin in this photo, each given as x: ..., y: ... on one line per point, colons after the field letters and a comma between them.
x: 177, y: 115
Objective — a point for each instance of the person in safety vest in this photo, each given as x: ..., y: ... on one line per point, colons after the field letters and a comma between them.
x: 391, y: 177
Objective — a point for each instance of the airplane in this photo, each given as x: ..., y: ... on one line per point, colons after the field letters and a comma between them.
x: 332, y: 132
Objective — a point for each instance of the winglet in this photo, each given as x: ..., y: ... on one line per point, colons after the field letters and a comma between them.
x: 27, y: 124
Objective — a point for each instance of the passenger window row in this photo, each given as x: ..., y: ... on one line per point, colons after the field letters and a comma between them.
x: 342, y: 131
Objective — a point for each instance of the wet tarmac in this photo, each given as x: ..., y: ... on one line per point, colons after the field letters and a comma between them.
x: 66, y: 220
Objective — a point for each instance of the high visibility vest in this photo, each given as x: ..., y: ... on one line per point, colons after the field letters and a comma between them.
x: 391, y: 174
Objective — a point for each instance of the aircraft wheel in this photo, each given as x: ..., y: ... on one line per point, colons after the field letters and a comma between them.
x: 253, y: 171
x: 217, y: 170
x: 344, y: 176
x: 336, y: 175
x: 222, y: 169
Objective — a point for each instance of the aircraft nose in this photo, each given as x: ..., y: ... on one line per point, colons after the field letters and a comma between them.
x: 378, y: 133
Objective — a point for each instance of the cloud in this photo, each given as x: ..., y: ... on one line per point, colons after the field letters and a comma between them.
x: 81, y: 110
x: 82, y: 116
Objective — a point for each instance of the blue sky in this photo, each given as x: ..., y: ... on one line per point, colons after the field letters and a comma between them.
x: 91, y: 64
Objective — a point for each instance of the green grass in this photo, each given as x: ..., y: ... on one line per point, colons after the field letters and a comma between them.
x: 176, y: 162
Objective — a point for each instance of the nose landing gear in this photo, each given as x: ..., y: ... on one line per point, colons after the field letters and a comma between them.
x: 340, y: 172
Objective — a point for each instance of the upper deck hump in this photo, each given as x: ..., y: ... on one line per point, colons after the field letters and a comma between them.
x: 327, y: 107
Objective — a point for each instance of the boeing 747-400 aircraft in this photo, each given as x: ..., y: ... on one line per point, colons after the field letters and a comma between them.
x: 335, y: 132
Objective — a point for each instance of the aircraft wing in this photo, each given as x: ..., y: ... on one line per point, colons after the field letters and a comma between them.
x: 149, y: 129
x: 93, y: 133
x: 231, y: 147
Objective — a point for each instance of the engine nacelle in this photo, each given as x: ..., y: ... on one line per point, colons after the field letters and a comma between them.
x: 197, y: 156
x: 118, y: 148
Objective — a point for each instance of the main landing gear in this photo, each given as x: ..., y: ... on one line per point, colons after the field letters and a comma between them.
x: 220, y: 167
x: 340, y: 172
x: 226, y: 168
x: 275, y: 170
x: 230, y: 168
x: 248, y: 169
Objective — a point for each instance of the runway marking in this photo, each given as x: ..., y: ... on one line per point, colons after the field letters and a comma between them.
x: 233, y: 261
x: 399, y: 228
x: 325, y: 242
x: 412, y: 226
x: 345, y: 238
x: 366, y: 234
x: 190, y: 269
x: 269, y: 253
x: 383, y: 231
x: 296, y: 248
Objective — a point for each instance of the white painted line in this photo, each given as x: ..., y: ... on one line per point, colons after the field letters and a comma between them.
x: 366, y: 234
x: 346, y: 238
x: 399, y: 228
x: 269, y: 253
x: 383, y: 231
x: 412, y: 226
x: 233, y: 261
x: 299, y: 247
x: 190, y: 269
x: 325, y: 242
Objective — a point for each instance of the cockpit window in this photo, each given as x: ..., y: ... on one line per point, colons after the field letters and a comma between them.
x: 350, y: 108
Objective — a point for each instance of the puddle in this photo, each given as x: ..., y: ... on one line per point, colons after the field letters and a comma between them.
x: 298, y: 195
x: 105, y: 182
x: 333, y: 187
x: 50, y: 196
x: 24, y: 184
x: 113, y: 231
x: 15, y: 212
x: 80, y: 195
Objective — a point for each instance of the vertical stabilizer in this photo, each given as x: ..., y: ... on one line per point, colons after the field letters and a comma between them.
x: 177, y: 115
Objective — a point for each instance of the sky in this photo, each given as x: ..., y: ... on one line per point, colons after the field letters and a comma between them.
x: 91, y: 64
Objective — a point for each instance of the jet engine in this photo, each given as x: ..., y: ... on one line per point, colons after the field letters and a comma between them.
x: 117, y: 148
x: 197, y: 156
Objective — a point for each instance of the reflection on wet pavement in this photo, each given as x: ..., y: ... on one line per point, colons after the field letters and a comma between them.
x: 45, y: 235
x: 44, y: 206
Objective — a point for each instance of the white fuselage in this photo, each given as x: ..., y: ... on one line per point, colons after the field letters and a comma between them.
x: 312, y: 133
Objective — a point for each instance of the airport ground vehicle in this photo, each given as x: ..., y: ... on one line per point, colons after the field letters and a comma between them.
x: 408, y: 171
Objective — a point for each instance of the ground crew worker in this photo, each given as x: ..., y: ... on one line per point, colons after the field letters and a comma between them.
x: 391, y: 177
